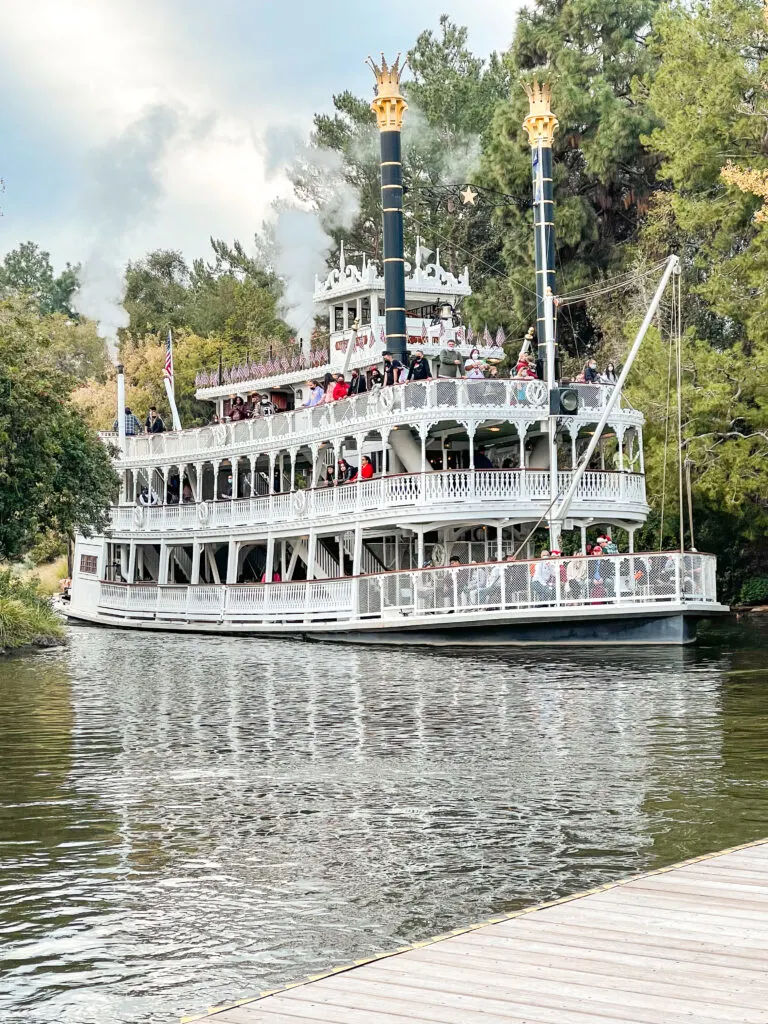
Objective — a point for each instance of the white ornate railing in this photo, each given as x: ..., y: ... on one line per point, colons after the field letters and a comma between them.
x: 492, y: 588
x: 600, y: 491
x: 503, y: 399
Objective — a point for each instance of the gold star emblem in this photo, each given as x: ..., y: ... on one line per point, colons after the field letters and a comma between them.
x: 468, y: 196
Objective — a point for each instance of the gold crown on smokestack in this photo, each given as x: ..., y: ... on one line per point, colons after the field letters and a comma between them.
x: 540, y: 123
x: 389, y: 105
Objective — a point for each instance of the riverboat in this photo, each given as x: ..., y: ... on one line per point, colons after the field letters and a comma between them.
x: 230, y: 528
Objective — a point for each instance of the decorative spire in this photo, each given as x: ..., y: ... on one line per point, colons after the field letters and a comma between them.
x: 342, y: 261
x: 389, y: 105
x: 541, y: 123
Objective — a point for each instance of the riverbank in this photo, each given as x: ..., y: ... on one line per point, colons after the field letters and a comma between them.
x: 27, y: 618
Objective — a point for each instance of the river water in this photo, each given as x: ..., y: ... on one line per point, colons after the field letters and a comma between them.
x: 185, y: 820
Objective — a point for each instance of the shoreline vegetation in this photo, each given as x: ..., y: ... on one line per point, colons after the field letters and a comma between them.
x: 27, y: 616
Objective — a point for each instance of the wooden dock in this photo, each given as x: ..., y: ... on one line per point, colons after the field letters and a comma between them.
x: 684, y: 945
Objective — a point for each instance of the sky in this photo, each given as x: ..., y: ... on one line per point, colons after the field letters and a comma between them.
x: 128, y: 127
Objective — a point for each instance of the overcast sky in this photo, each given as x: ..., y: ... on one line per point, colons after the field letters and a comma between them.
x: 78, y: 78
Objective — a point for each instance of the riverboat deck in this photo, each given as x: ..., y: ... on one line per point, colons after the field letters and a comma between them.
x: 686, y: 943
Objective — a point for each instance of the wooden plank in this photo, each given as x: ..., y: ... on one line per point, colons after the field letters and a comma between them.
x: 684, y: 946
x: 488, y: 971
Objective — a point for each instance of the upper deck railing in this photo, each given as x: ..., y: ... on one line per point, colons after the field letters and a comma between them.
x: 446, y: 399
x: 436, y: 492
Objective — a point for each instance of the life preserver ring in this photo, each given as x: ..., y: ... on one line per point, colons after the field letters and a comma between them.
x: 299, y: 502
x: 138, y: 517
x: 387, y: 398
x: 536, y: 392
x: 203, y: 511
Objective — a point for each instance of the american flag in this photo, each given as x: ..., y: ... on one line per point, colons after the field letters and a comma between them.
x: 424, y: 333
x: 470, y: 335
x: 168, y: 371
x: 501, y: 338
x: 487, y: 339
x: 383, y: 338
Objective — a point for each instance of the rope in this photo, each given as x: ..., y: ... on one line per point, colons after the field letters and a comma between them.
x: 616, y: 284
x: 666, y: 428
x: 677, y: 299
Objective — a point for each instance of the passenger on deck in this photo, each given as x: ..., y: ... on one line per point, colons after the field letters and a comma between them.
x: 392, y: 368
x: 357, y: 384
x: 315, y: 394
x: 608, y: 376
x: 345, y: 472
x: 132, y: 425
x: 377, y: 380
x: 187, y: 494
x: 543, y: 584
x: 474, y: 366
x: 154, y: 423
x: 449, y: 363
x: 340, y: 388
x: 265, y: 407
x: 591, y: 374
x: 329, y: 479
x: 481, y: 459
x: 525, y: 367
x: 238, y: 411
x: 419, y: 367
x: 148, y: 497
x: 367, y: 470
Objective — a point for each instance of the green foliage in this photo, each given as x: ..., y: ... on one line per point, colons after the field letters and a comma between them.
x: 54, y: 472
x: 754, y: 591
x: 592, y: 51
x: 22, y: 624
x: 27, y: 271
x: 47, y: 548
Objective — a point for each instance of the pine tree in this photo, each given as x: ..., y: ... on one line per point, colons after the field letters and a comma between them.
x: 592, y: 51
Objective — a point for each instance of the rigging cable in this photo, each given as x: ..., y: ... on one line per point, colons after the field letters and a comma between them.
x: 666, y: 435
x: 677, y: 300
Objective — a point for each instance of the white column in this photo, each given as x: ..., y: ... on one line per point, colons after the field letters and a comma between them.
x: 216, y: 464
x: 357, y: 557
x: 583, y: 540
x: 420, y: 547
x: 124, y: 556
x: 196, y: 549
x: 471, y: 435
x: 423, y: 439
x: 631, y: 536
x: 164, y: 496
x: 640, y: 449
x: 573, y: 448
x: 140, y: 563
x: 233, y: 552
x: 198, y: 488
x: 292, y: 454
x: 269, y: 567
x: 311, y: 554
x: 235, y: 463
x: 499, y: 542
x: 271, y: 472
x: 162, y: 573
x: 131, y: 577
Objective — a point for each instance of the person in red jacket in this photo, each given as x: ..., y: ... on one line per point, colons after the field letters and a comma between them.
x: 367, y: 471
x: 340, y: 388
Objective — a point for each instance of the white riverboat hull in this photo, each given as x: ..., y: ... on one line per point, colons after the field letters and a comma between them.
x: 601, y: 624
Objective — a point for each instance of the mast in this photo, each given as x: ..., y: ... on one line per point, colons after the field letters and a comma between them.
x: 541, y: 124
x: 389, y: 107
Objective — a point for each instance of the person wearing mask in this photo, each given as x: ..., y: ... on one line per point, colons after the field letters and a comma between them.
x: 315, y: 394
x: 153, y: 423
x: 449, y: 362
x: 608, y: 376
x: 377, y: 381
x: 357, y: 383
x: 132, y: 425
x: 392, y: 368
x: 367, y: 469
x: 473, y: 366
x: 591, y: 375
x: 419, y: 367
x: 340, y: 388
x: 543, y: 584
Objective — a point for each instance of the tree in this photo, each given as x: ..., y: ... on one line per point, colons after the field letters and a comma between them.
x: 55, y: 474
x: 452, y: 95
x: 593, y: 51
x: 27, y: 271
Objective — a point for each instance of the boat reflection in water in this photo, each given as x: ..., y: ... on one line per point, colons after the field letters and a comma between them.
x: 186, y: 819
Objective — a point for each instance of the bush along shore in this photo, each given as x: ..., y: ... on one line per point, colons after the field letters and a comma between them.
x: 27, y: 618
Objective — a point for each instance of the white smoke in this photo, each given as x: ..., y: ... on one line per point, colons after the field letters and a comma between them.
x: 123, y: 190
x: 302, y: 229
